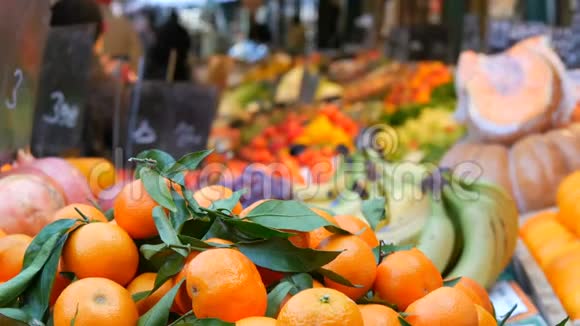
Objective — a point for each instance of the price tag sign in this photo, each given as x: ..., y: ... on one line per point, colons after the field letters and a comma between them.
x: 24, y: 25
x: 175, y: 118
x: 60, y: 110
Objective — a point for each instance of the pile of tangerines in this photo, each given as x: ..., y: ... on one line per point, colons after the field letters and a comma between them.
x: 224, y: 286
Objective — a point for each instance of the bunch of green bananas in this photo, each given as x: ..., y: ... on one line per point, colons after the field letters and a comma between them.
x: 466, y: 230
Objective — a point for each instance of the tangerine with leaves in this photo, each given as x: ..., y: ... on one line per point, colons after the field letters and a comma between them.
x: 358, y: 227
x: 322, y: 307
x: 475, y: 292
x: 146, y: 282
x: 356, y: 263
x: 225, y: 284
x: 12, y: 250
x: 91, y: 212
x: 316, y: 236
x: 207, y: 195
x: 182, y: 302
x: 95, y: 301
x: 406, y: 276
x: 379, y: 315
x: 133, y: 209
x: 315, y: 284
x: 443, y: 306
x: 256, y: 321
x: 101, y: 250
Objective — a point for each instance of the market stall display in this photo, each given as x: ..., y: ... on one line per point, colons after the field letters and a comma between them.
x: 178, y: 250
x: 326, y: 189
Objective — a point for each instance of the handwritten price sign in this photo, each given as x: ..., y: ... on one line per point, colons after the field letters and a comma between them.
x: 60, y: 109
x: 24, y: 25
x: 173, y: 117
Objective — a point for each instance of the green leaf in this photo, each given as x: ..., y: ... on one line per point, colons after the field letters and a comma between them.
x: 337, y: 278
x: 57, y: 227
x: 337, y: 230
x: 171, y: 267
x: 15, y: 315
x: 376, y: 300
x: 68, y: 275
x: 166, y: 232
x: 276, y: 296
x: 12, y: 289
x: 37, y: 297
x: 281, y: 256
x: 163, y: 159
x: 374, y: 211
x: 286, y: 215
x: 187, y: 162
x: 564, y: 322
x: 403, y: 322
x: 157, y: 188
x: 228, y: 203
x: 194, y: 243
x: 192, y: 321
x: 196, y: 228
x: 255, y: 230
x: 140, y: 295
x: 110, y: 215
x: 182, y: 214
x: 451, y: 283
x: 159, y: 314
x: 301, y: 281
x: 507, y: 316
x: 150, y: 250
x: 383, y: 250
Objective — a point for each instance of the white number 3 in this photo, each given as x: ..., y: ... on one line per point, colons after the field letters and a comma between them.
x: 11, y: 103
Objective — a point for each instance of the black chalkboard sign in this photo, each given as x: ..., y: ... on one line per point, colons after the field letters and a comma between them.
x: 399, y: 44
x: 173, y: 117
x: 23, y: 28
x: 60, y: 109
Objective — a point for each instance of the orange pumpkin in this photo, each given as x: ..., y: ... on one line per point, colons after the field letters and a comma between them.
x: 530, y: 170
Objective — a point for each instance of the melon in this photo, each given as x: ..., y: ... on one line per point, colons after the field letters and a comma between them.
x: 505, y: 96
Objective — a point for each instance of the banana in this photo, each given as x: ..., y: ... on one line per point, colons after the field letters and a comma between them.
x: 437, y: 240
x: 478, y: 258
x: 348, y: 203
x: 406, y: 233
x: 506, y: 216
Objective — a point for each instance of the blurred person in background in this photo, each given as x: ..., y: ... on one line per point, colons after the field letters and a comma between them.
x: 170, y: 37
x: 120, y: 39
x: 259, y: 31
x: 102, y: 86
